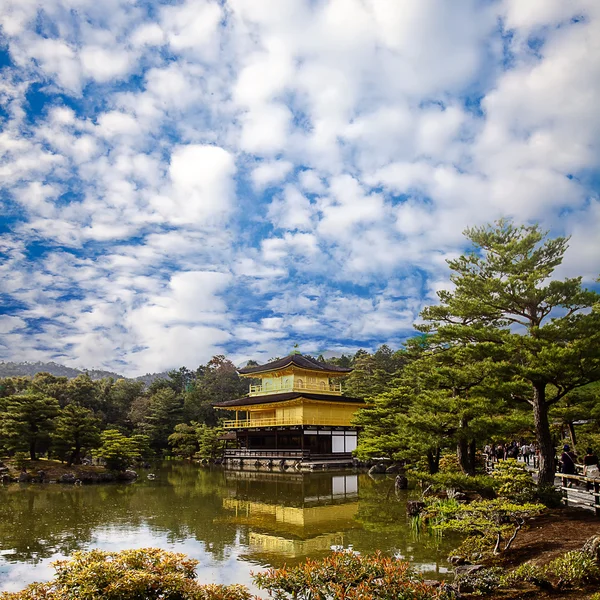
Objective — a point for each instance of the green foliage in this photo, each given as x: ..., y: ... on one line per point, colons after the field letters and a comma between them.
x: 29, y: 408
x: 349, y: 576
x: 480, y: 582
x: 148, y: 573
x: 484, y: 484
x: 184, y: 440
x: 165, y: 410
x: 449, y: 464
x: 574, y: 569
x: 549, y: 496
x: 506, y: 283
x: 515, y: 481
x: 526, y: 573
x: 209, y: 444
x: 21, y: 460
x: 142, y: 445
x: 27, y: 421
x: 372, y: 373
x: 77, y: 430
x: 117, y: 450
x: 491, y: 525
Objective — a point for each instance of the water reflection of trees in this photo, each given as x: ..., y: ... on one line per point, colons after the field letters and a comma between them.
x: 35, y: 525
x: 386, y: 526
x: 37, y: 522
x: 187, y: 502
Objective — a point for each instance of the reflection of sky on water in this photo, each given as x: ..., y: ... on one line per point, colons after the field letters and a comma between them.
x: 15, y: 576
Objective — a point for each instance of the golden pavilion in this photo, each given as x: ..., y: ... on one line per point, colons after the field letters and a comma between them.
x: 294, y: 411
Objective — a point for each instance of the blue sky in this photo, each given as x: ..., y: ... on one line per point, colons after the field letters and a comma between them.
x: 186, y: 178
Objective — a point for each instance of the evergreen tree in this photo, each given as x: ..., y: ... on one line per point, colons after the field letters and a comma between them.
x: 27, y: 421
x: 373, y: 373
x: 184, y: 440
x: 547, y: 331
x: 76, y: 430
x: 51, y: 385
x: 209, y: 443
x: 165, y: 410
x: 117, y: 450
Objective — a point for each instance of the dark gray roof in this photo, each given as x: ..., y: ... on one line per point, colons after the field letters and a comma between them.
x: 302, y: 362
x: 283, y: 397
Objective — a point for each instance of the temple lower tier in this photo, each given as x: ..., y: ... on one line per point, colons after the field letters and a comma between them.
x: 298, y: 442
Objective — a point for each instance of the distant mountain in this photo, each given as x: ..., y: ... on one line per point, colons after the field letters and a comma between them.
x: 29, y: 369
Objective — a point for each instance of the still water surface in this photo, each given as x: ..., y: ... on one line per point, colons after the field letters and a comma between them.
x: 232, y: 522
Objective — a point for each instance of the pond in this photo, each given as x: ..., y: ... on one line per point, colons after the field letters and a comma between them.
x: 233, y: 522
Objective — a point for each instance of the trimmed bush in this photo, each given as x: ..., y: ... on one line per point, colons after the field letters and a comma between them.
x: 483, y: 484
x: 148, y: 573
x: 514, y: 481
x: 350, y: 576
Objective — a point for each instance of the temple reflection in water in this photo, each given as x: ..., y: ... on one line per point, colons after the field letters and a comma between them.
x: 292, y: 515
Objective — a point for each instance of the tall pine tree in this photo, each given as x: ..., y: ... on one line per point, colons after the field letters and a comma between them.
x: 505, y: 300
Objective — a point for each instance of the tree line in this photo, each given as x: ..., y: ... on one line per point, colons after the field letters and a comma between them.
x: 68, y: 418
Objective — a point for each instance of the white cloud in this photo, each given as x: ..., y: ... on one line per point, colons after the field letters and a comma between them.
x: 234, y: 166
x: 291, y: 211
x: 265, y: 129
x: 104, y: 65
x: 9, y: 324
x: 270, y: 172
x: 202, y: 184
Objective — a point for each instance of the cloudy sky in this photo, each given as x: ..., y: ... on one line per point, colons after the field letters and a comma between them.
x: 185, y: 178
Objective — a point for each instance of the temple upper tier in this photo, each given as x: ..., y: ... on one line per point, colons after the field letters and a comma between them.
x: 295, y: 373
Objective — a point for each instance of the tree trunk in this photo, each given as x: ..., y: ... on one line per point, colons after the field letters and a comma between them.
x: 32, y: 450
x: 542, y: 433
x: 433, y: 460
x: 473, y: 455
x: 462, y: 451
x: 572, y: 435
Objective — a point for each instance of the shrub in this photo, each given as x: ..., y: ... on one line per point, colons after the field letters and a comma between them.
x: 21, y: 460
x: 515, y: 482
x: 458, y: 481
x: 480, y: 582
x: 574, y: 569
x: 349, y: 576
x: 148, y: 573
x: 549, y: 496
x: 492, y: 525
x: 526, y: 573
x: 449, y: 464
x: 118, y: 451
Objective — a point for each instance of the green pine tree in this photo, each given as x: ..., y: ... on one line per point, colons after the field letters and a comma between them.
x: 505, y: 301
x: 77, y: 429
x: 28, y: 421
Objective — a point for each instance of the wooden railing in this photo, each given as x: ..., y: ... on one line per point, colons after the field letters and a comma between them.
x: 580, y: 491
x: 576, y: 490
x: 283, y: 422
x: 269, y: 453
x: 295, y: 386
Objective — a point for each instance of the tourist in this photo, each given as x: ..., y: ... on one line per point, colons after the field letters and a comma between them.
x: 567, y: 461
x: 590, y: 464
x: 525, y: 453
